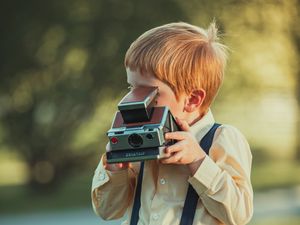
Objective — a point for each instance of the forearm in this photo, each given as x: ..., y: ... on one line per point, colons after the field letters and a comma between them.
x: 227, y: 198
x: 112, y: 191
x: 111, y: 199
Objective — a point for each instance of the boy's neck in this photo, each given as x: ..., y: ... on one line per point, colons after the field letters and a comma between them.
x: 196, y: 118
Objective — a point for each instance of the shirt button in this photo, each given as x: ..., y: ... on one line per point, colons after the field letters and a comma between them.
x: 162, y: 181
x: 155, y: 216
x: 102, y: 176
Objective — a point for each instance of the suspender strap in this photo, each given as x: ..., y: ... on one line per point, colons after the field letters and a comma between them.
x: 137, y: 198
x: 192, y: 197
x: 207, y: 140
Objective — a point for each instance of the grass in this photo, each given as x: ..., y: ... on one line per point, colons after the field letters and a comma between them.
x: 73, y: 193
x: 275, y: 174
x: 278, y: 221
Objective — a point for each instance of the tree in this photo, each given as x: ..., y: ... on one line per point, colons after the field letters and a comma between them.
x: 60, y: 60
x: 296, y: 37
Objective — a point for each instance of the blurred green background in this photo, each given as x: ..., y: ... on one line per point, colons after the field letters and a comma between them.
x: 62, y: 75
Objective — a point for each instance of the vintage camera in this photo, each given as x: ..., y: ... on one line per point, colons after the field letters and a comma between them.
x: 138, y: 129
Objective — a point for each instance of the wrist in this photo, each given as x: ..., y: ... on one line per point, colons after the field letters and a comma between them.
x: 193, y: 166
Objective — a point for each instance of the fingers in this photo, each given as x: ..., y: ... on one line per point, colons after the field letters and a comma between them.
x: 175, y: 159
x: 123, y: 165
x: 174, y: 153
x: 175, y: 147
x: 183, y: 124
x: 177, y: 135
x: 116, y: 166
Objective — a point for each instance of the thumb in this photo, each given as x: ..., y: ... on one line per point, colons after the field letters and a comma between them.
x: 183, y: 124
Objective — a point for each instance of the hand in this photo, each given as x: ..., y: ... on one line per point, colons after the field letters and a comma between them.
x: 186, y: 151
x: 114, y: 166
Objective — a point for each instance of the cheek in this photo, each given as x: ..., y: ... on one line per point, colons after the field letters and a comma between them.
x: 175, y: 107
x: 164, y: 100
x: 169, y: 99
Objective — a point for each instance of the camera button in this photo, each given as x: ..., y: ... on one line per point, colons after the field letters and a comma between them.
x: 114, y: 140
x: 162, y: 181
x: 149, y: 136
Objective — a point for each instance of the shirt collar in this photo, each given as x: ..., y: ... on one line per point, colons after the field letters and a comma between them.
x: 202, y: 126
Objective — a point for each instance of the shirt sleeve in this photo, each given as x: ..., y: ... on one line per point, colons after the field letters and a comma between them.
x: 223, y: 179
x: 112, y: 191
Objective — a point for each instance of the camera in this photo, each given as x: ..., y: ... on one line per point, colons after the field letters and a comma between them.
x: 138, y: 128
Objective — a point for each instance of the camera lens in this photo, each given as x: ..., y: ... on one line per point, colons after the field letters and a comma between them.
x: 135, y: 140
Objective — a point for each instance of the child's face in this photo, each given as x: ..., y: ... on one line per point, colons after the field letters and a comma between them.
x: 166, y: 96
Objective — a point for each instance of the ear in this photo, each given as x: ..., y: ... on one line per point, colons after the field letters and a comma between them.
x: 194, y: 100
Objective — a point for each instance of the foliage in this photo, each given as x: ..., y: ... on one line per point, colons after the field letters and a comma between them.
x: 62, y: 68
x: 60, y: 59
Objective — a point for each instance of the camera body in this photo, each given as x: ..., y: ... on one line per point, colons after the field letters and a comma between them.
x: 138, y: 128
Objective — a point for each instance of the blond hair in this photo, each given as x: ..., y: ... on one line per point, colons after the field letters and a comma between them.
x: 183, y: 56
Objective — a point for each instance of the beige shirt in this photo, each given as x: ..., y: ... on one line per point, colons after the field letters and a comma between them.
x: 222, y: 183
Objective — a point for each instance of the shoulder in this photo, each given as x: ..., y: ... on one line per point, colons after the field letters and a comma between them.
x: 230, y: 132
x: 230, y: 140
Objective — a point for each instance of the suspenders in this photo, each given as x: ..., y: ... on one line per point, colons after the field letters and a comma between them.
x: 137, y: 198
x: 192, y: 197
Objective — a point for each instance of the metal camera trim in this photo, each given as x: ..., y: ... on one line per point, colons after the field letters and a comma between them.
x: 138, y: 104
x: 139, y: 116
x: 125, y: 130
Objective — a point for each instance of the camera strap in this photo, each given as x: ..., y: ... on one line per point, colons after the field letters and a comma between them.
x: 192, y: 197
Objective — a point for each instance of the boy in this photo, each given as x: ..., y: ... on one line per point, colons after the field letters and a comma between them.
x: 187, y: 64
